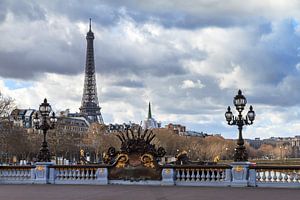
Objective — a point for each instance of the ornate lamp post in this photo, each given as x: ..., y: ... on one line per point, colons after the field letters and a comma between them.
x: 44, y: 122
x: 240, y: 102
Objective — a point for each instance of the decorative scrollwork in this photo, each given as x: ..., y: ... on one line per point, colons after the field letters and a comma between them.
x: 139, y: 141
x: 161, y: 152
x: 136, y: 141
x: 147, y: 160
x: 138, y: 157
x: 112, y: 152
x: 122, y: 159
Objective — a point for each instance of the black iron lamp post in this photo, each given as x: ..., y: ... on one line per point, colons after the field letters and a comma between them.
x: 240, y: 102
x: 44, y: 122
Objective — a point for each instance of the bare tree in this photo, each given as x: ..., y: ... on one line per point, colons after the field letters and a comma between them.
x: 266, y: 151
x: 98, y: 140
x: 6, y: 105
x: 197, y: 148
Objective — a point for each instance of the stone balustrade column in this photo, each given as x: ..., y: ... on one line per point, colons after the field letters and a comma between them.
x: 240, y: 174
x: 168, y: 176
x: 102, y: 176
x: 52, y: 175
x: 42, y: 172
x: 228, y: 175
x: 252, y: 177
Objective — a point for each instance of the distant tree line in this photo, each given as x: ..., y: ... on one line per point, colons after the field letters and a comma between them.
x: 17, y: 143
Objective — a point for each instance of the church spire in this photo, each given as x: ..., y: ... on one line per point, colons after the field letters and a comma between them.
x: 149, y: 111
x: 150, y: 122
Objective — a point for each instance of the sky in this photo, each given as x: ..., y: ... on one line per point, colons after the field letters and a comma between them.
x: 188, y: 58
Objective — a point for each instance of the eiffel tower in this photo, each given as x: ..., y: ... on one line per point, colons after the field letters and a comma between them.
x: 90, y: 108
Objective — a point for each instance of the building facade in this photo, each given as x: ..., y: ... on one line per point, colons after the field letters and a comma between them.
x: 22, y: 117
x: 177, y: 128
x: 290, y: 144
x: 115, y: 128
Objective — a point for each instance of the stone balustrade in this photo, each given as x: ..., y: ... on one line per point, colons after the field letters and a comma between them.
x: 235, y: 175
x: 202, y: 175
x: 280, y: 176
x: 78, y: 174
x: 16, y: 174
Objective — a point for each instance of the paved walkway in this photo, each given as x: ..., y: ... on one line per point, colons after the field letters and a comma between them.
x: 118, y: 192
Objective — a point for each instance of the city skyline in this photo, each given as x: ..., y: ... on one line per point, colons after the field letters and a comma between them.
x: 188, y: 60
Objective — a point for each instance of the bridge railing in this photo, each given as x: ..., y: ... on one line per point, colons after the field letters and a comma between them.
x: 236, y: 174
x: 202, y: 175
x: 274, y: 176
x: 78, y: 174
x: 17, y: 174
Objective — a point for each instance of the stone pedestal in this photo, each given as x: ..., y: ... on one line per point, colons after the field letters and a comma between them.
x: 42, y: 172
x: 102, y: 176
x: 252, y: 177
x: 168, y: 176
x: 240, y: 174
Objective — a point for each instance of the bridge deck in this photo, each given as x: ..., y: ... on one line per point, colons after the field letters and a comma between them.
x: 121, y: 192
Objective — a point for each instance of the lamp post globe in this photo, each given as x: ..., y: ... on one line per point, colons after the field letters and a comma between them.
x: 45, y: 108
x: 228, y: 115
x: 53, y: 119
x: 240, y: 101
x: 251, y: 114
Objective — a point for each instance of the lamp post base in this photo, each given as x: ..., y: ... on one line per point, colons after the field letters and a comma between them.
x: 240, y: 154
x: 43, y: 173
x: 44, y: 153
x: 240, y: 173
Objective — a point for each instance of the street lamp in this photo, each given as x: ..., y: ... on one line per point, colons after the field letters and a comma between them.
x: 285, y: 153
x: 240, y: 102
x: 280, y: 152
x: 222, y: 156
x: 44, y: 122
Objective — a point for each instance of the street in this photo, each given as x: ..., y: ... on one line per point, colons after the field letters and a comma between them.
x: 121, y: 192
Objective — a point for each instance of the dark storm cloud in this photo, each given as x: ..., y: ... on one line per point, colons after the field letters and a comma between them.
x: 189, y: 101
x: 188, y: 58
x: 275, y: 54
x: 32, y: 44
x: 117, y: 95
x: 110, y: 65
x: 285, y: 94
x: 46, y: 56
x: 129, y: 83
x: 269, y: 58
x: 169, y: 13
x: 51, y: 53
x: 154, y: 57
x: 192, y: 14
x: 22, y: 10
x: 77, y: 10
x: 3, y: 11
x: 22, y: 65
x: 271, y: 65
x: 118, y: 60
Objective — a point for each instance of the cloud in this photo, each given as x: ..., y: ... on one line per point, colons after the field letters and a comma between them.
x: 22, y: 10
x: 38, y: 47
x: 126, y: 53
x: 186, y: 84
x: 130, y: 83
x: 188, y: 59
x: 202, y: 13
x: 298, y: 66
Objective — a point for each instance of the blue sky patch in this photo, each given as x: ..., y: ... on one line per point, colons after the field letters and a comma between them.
x: 16, y: 84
